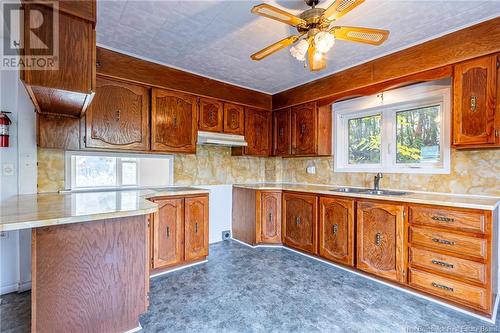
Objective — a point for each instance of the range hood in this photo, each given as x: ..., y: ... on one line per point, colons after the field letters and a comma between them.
x: 220, y: 139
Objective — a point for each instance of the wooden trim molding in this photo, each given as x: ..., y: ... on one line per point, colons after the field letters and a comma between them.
x: 475, y: 41
x: 116, y: 65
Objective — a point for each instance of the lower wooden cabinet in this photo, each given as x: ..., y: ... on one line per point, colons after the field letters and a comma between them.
x: 336, y: 229
x: 300, y: 224
x: 380, y: 240
x: 179, y: 231
x: 268, y: 227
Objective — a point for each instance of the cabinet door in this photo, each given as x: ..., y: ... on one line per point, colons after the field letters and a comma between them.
x: 300, y: 224
x: 474, y: 89
x: 258, y: 132
x: 174, y: 122
x: 269, y: 218
x: 118, y: 117
x: 380, y: 240
x: 234, y: 119
x: 336, y: 230
x: 282, y: 134
x: 304, y: 129
x: 196, y: 224
x: 168, y: 233
x: 211, y: 114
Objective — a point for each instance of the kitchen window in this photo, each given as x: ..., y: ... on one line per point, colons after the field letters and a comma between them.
x: 406, y: 130
x: 86, y: 170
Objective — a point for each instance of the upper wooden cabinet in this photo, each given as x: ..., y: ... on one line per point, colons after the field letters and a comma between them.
x: 174, y: 122
x: 476, y: 120
x: 118, y: 117
x: 282, y: 134
x: 167, y: 233
x: 68, y: 89
x: 300, y: 221
x: 380, y: 240
x: 303, y: 130
x: 258, y: 127
x: 211, y: 115
x: 336, y: 229
x: 196, y: 228
x: 234, y: 119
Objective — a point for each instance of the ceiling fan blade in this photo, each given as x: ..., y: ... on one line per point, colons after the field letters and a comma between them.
x: 360, y: 35
x: 317, y: 60
x: 340, y: 7
x: 275, y: 47
x: 277, y: 14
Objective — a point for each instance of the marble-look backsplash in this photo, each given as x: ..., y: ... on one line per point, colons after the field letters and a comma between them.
x: 472, y: 172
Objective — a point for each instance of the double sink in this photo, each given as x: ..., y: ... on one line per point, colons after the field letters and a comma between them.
x: 368, y: 191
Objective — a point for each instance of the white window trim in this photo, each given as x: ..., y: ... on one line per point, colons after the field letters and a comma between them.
x: 69, y: 176
x: 387, y: 104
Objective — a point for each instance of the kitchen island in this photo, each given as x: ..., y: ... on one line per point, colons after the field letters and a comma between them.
x: 90, y: 256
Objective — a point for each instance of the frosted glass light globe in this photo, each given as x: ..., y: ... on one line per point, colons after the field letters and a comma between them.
x: 299, y: 51
x: 324, y: 41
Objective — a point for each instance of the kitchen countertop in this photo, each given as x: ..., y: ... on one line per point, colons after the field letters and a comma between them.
x: 39, y: 210
x: 430, y: 198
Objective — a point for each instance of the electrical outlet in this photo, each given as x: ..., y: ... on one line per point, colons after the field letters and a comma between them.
x: 311, y: 170
x: 8, y: 169
x: 4, y: 235
x: 226, y: 235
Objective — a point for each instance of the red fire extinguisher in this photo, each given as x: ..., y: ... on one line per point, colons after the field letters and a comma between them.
x: 4, y: 129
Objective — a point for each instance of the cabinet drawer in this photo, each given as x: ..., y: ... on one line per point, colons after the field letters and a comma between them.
x: 441, y: 240
x: 448, y: 218
x: 456, y: 267
x: 460, y: 292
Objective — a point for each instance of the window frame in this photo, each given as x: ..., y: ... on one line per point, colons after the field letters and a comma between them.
x: 388, y: 104
x: 70, y: 171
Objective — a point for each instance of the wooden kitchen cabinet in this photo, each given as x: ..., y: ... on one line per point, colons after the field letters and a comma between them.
x: 174, y: 122
x: 168, y: 235
x: 336, y: 229
x: 211, y: 115
x: 380, y: 240
x: 179, y: 231
x: 196, y: 228
x: 304, y: 129
x: 300, y: 225
x: 282, y: 133
x: 258, y: 128
x: 69, y: 89
x: 234, y: 119
x: 476, y: 119
x: 118, y: 117
x: 268, y: 222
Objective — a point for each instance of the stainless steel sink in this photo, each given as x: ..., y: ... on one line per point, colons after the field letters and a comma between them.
x: 385, y: 192
x: 349, y: 190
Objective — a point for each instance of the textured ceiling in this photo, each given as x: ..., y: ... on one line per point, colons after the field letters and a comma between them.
x: 215, y: 38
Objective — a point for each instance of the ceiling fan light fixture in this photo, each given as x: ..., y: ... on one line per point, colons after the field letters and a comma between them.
x: 299, y: 51
x: 324, y: 41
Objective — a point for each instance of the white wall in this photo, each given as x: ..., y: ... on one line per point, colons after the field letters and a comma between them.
x: 15, y: 247
x: 220, y: 210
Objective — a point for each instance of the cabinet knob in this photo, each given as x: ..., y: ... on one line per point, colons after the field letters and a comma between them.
x: 473, y: 103
x: 168, y: 232
x: 378, y: 239
x: 270, y: 216
x: 302, y: 129
x: 196, y: 227
x: 297, y: 220
x: 281, y: 132
x: 335, y: 229
x: 118, y: 115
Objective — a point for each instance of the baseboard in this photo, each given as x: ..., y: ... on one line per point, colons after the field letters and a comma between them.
x: 491, y: 320
x: 178, y: 268
x: 137, y: 329
x: 9, y: 289
x: 24, y: 286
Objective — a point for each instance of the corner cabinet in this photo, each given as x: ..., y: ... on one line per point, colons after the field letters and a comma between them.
x: 282, y: 134
x: 179, y: 231
x: 300, y: 212
x: 258, y: 127
x: 174, y: 122
x: 118, y: 117
x: 268, y: 217
x: 336, y: 229
x: 380, y: 240
x: 476, y: 119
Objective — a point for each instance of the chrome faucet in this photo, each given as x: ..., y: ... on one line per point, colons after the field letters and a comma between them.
x: 376, y: 181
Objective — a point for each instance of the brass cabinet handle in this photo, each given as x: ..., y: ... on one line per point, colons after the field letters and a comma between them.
x: 196, y: 227
x: 297, y: 220
x: 378, y: 239
x: 443, y: 241
x: 168, y: 232
x: 281, y: 130
x: 442, y: 286
x: 443, y: 219
x: 442, y: 263
x: 270, y: 216
x: 174, y: 122
x: 473, y: 103
x: 118, y: 115
x: 335, y: 228
x: 302, y: 129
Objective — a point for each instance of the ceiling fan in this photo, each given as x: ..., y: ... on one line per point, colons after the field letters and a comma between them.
x: 315, y: 35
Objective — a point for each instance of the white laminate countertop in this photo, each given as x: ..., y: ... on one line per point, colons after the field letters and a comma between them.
x: 39, y: 210
x: 429, y: 198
